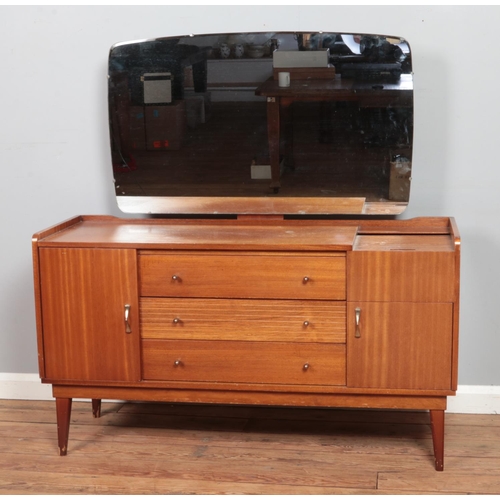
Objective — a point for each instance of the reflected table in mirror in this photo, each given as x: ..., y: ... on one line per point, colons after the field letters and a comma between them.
x: 280, y: 99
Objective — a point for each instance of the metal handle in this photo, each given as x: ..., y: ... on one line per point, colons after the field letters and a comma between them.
x: 306, y: 323
x: 176, y: 321
x: 177, y: 363
x: 175, y: 277
x: 306, y: 366
x: 305, y: 279
x: 127, y: 314
x: 357, y: 311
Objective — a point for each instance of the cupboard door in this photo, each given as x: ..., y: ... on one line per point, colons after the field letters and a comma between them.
x: 84, y: 293
x: 399, y: 345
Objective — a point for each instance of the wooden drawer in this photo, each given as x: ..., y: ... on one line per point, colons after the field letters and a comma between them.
x: 403, y: 268
x: 244, y: 362
x: 241, y: 319
x: 274, y: 276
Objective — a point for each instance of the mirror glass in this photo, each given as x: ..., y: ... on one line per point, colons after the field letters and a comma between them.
x: 292, y: 123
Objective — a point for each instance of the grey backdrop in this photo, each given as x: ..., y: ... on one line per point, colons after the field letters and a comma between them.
x: 55, y: 162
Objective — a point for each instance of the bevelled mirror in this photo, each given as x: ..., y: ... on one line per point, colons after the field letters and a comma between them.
x: 265, y: 123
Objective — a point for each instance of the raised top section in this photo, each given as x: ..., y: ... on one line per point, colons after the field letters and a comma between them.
x: 409, y: 242
x: 201, y: 124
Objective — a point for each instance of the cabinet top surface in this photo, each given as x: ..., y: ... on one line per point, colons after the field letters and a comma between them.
x: 408, y: 242
x: 422, y: 234
x: 208, y: 236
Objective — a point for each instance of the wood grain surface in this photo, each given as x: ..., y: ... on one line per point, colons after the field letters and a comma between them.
x: 203, y: 234
x: 401, y: 345
x: 83, y: 294
x: 240, y: 319
x: 413, y: 276
x: 211, y: 449
x: 252, y: 362
x: 242, y: 275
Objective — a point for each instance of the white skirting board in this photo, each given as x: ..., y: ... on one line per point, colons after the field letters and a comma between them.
x: 480, y: 399
x: 23, y: 386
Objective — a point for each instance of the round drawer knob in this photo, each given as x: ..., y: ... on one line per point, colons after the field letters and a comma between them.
x: 306, y: 323
x: 306, y: 367
x: 305, y: 279
x: 175, y: 277
x: 176, y: 321
x: 177, y: 363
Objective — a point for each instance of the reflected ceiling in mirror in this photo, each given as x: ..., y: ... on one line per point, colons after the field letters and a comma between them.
x: 278, y: 123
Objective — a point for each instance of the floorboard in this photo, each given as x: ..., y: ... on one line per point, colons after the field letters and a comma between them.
x: 209, y: 449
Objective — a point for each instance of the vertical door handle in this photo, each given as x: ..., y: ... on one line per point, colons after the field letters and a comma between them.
x: 127, y: 314
x: 357, y: 311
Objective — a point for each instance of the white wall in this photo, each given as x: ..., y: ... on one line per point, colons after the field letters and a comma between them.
x: 54, y: 155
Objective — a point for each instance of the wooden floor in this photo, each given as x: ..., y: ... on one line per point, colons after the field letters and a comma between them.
x: 190, y: 449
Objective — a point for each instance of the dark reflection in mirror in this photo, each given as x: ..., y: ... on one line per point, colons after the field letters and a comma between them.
x: 211, y: 116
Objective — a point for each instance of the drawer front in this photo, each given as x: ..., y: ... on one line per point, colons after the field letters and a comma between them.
x: 244, y: 362
x: 241, y: 319
x: 284, y: 276
x: 402, y: 276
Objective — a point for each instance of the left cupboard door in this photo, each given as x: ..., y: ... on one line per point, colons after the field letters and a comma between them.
x: 87, y: 332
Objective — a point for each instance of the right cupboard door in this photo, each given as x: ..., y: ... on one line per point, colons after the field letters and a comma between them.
x: 399, y: 345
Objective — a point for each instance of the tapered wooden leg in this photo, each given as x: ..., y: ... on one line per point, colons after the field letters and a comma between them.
x: 437, y: 425
x: 63, y: 412
x: 96, y: 408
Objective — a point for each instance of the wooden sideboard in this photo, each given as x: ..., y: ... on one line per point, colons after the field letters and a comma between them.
x: 323, y: 313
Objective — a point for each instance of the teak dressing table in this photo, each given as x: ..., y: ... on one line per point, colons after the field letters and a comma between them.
x: 355, y: 313
x: 293, y: 293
